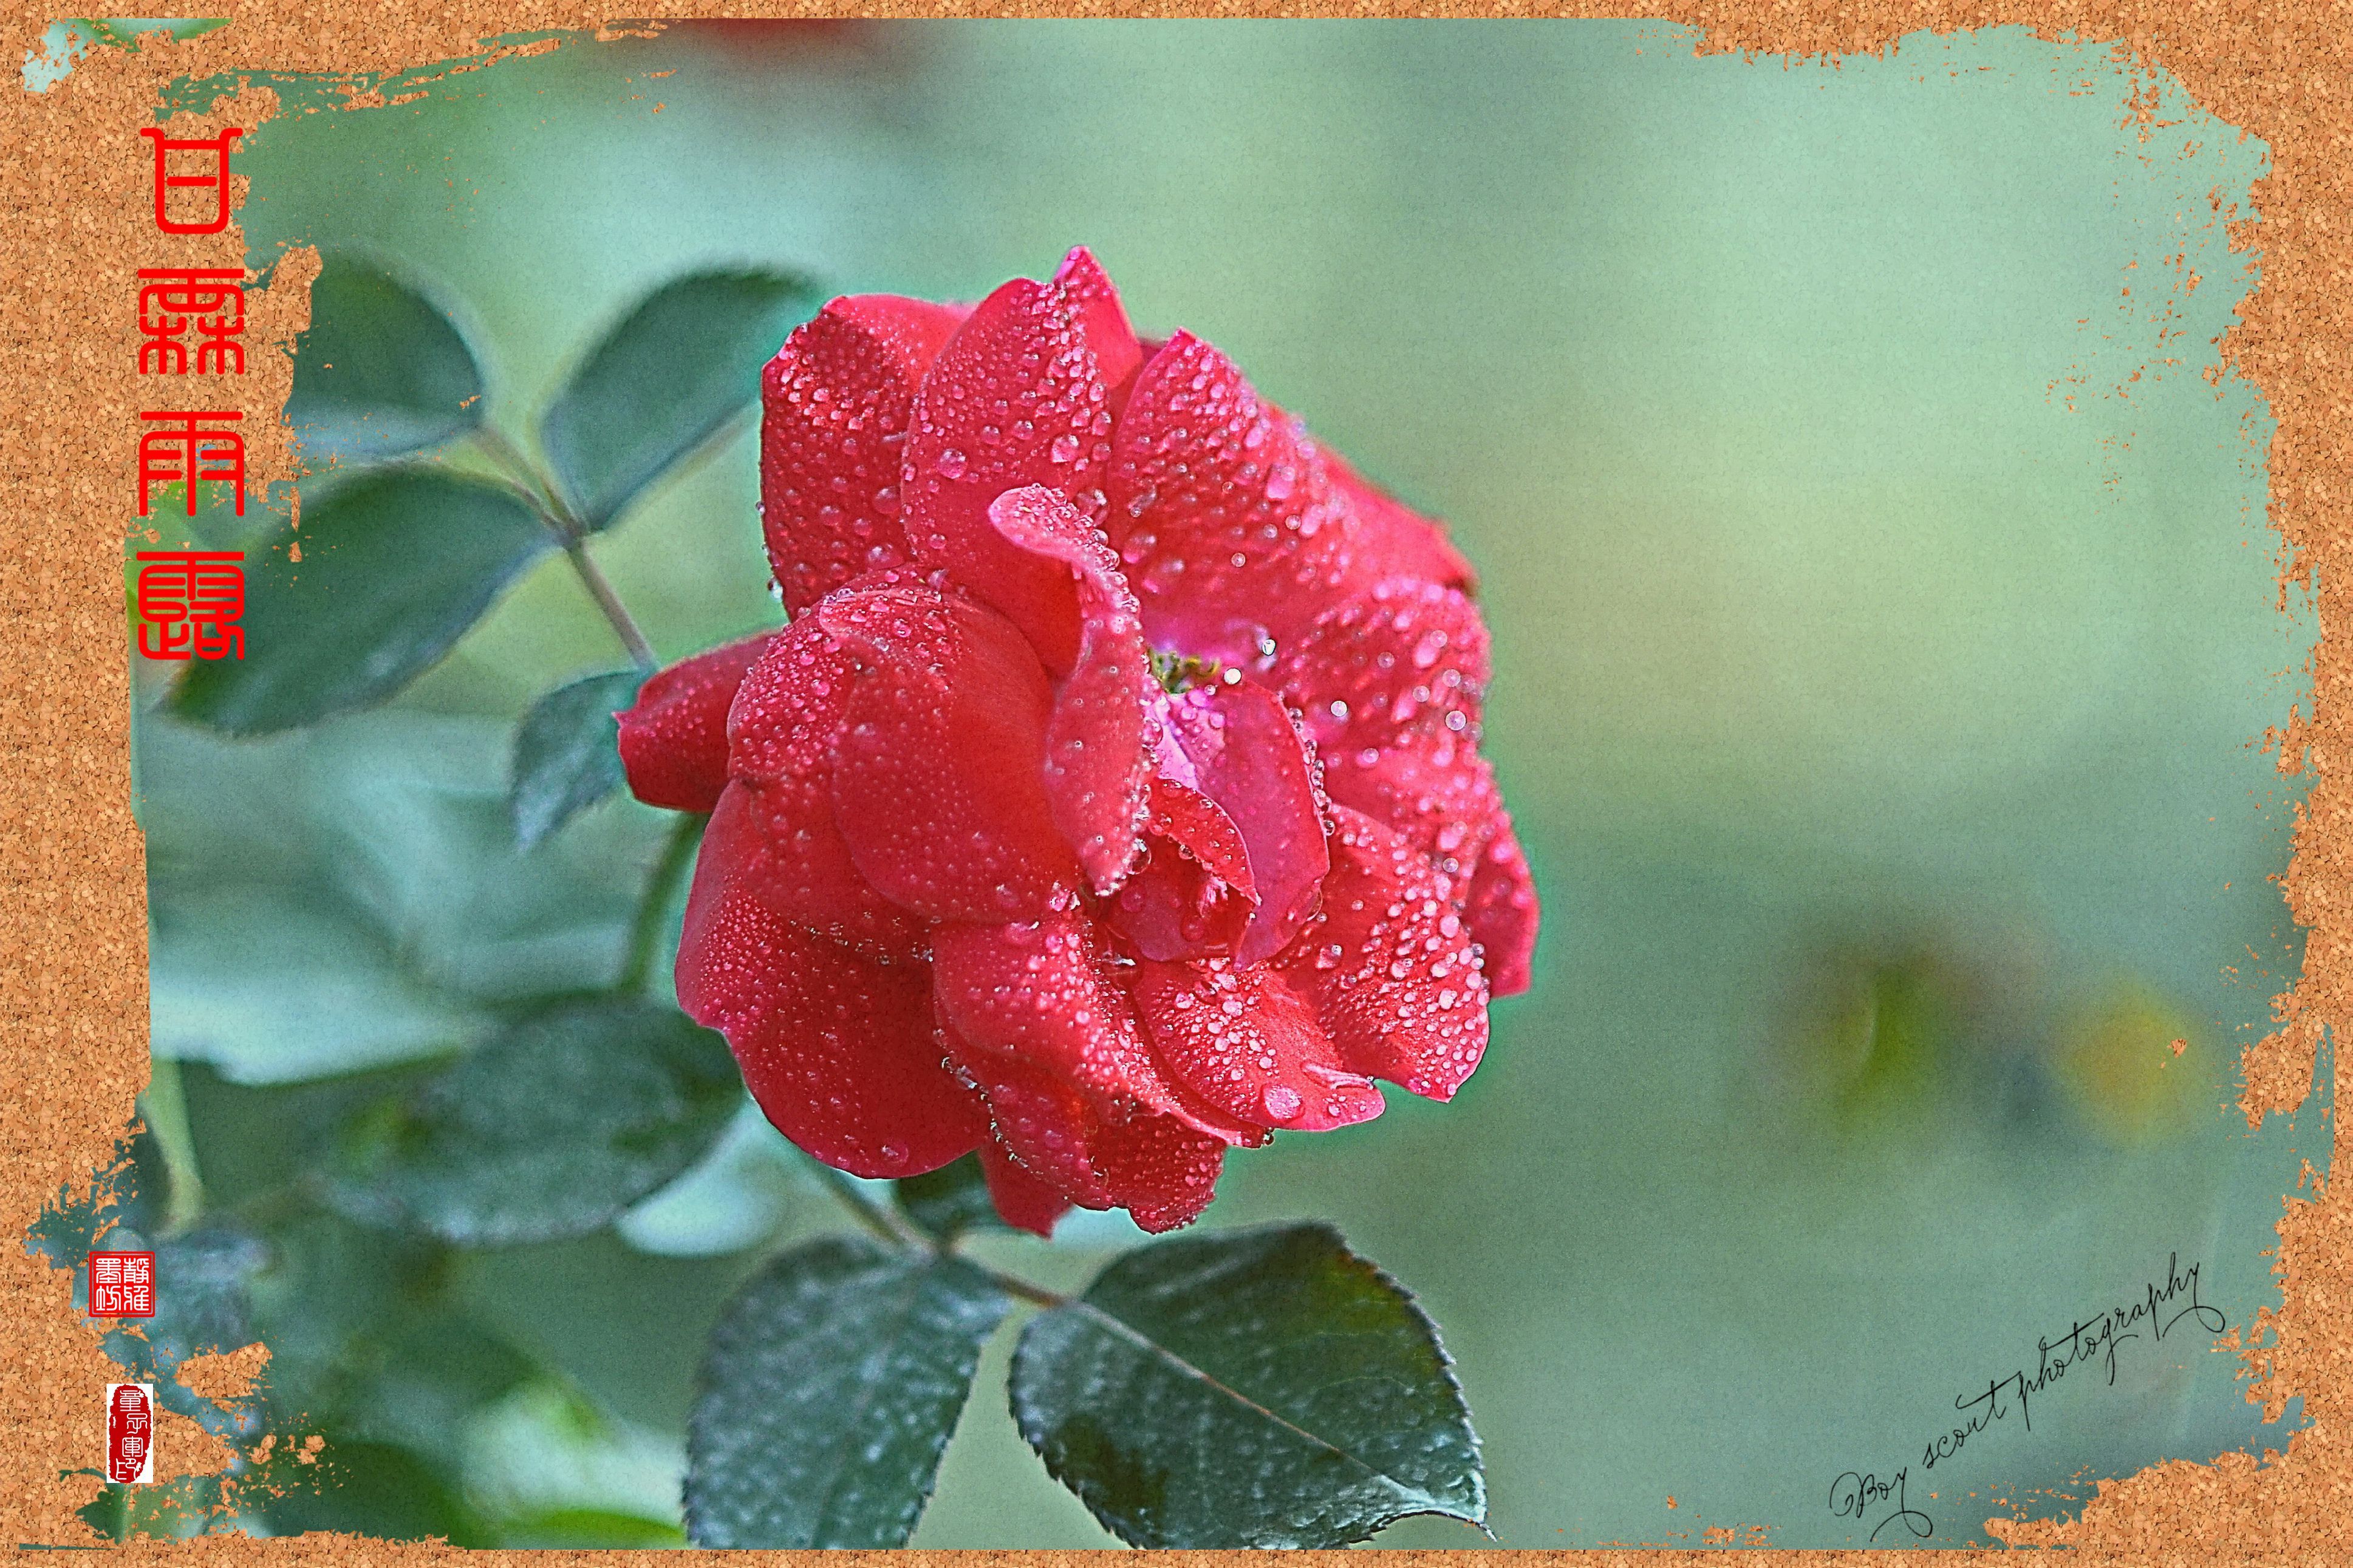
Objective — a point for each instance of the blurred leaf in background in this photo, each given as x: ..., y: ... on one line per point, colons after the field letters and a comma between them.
x: 662, y: 382
x: 382, y: 369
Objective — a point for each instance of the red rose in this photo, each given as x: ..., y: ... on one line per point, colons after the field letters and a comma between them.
x: 1113, y: 797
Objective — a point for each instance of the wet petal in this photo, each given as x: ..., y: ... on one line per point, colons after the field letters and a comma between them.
x: 1118, y: 356
x: 1096, y: 760
x: 1221, y: 509
x: 782, y: 730
x: 1391, y: 966
x: 1439, y: 793
x: 1023, y: 1201
x: 1236, y: 743
x: 1044, y: 992
x: 1502, y: 911
x: 834, y: 410
x: 1243, y: 1040
x: 674, y: 737
x: 1097, y: 1156
x: 1013, y: 399
x: 1403, y: 660
x: 838, y: 1047
x: 1162, y: 1172
x: 1191, y: 895
x: 938, y: 782
x: 1391, y: 682
x: 1393, y: 541
x: 1043, y: 1120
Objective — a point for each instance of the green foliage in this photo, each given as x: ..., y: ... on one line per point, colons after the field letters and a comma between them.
x: 548, y: 1131
x: 382, y: 370
x: 387, y: 571
x: 663, y: 380
x: 351, y: 896
x: 946, y: 1203
x: 829, y: 1392
x: 1259, y: 1388
x: 592, y: 1527
x: 567, y: 753
x: 361, y: 1488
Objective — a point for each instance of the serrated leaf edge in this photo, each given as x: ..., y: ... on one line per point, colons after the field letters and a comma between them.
x: 1032, y: 1433
x: 917, y: 1267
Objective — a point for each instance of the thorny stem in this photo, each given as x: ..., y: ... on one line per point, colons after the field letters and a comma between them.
x: 888, y: 1226
x: 569, y: 533
x: 653, y: 904
x: 167, y: 1118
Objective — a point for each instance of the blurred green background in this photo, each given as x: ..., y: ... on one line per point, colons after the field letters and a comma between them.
x: 1886, y: 629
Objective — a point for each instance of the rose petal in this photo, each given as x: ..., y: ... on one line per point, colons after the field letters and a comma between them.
x: 1391, y: 682
x: 1118, y: 356
x: 1393, y: 541
x: 1096, y: 760
x: 1440, y: 793
x: 834, y: 409
x: 783, y: 731
x: 1023, y: 1201
x: 1043, y: 1120
x: 1191, y: 895
x: 1120, y: 1156
x: 1162, y: 1172
x: 1236, y: 743
x: 674, y: 737
x: 1221, y: 509
x: 938, y: 782
x: 1042, y: 992
x: 1243, y: 1040
x: 1013, y: 399
x: 1502, y: 913
x: 1391, y: 966
x: 1402, y: 659
x: 836, y: 1048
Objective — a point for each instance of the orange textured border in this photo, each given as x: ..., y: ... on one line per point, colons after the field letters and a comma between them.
x: 74, y: 983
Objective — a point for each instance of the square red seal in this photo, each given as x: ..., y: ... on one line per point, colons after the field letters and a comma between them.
x: 121, y: 1284
x: 129, y: 1433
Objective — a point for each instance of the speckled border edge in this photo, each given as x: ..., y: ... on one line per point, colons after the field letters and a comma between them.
x: 74, y: 989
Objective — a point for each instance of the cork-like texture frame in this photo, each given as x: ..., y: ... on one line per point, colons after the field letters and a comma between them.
x: 75, y: 982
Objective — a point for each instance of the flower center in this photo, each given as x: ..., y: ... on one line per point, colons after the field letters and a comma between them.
x: 1180, y: 672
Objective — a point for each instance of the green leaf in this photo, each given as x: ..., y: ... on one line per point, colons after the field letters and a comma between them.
x: 277, y: 986
x: 949, y: 1201
x: 663, y: 381
x: 590, y: 1527
x: 363, y: 1488
x: 350, y: 896
x: 411, y: 815
x: 549, y: 1131
x: 381, y: 372
x: 733, y: 1199
x: 393, y: 568
x: 430, y: 1373
x: 567, y: 753
x: 829, y: 1391
x: 1257, y: 1388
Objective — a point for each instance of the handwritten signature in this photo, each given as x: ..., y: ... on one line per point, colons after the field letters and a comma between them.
x: 1852, y: 1496
x: 1857, y: 1494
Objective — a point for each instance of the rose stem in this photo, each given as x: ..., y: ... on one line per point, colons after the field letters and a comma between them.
x: 167, y: 1120
x: 572, y: 536
x: 888, y: 1226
